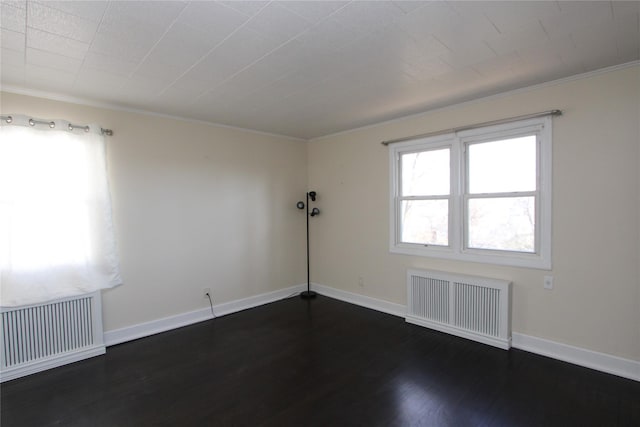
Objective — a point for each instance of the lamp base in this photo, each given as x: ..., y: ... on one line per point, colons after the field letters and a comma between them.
x: 308, y: 294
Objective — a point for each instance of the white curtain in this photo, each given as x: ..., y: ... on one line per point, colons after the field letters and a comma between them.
x: 56, y: 231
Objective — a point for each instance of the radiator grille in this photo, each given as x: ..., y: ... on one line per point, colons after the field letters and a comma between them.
x: 41, y: 331
x: 43, y: 336
x: 478, y: 308
x: 430, y: 298
x: 472, y: 307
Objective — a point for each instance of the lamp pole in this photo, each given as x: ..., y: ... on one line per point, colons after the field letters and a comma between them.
x: 308, y: 294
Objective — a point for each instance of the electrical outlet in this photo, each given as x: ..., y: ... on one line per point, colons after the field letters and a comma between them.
x: 206, y: 293
x: 548, y: 282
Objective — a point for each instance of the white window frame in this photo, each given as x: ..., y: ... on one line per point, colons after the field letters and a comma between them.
x: 458, y: 141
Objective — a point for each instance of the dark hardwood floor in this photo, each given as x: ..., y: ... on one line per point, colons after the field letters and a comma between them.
x: 317, y: 363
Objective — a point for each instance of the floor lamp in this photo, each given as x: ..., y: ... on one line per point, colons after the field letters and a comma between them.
x: 315, y: 211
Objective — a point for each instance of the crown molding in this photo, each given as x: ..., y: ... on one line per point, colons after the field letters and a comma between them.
x: 115, y: 107
x: 87, y: 102
x: 500, y: 95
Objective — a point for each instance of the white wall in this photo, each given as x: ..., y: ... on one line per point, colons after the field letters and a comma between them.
x: 195, y: 206
x: 596, y: 198
x: 204, y: 206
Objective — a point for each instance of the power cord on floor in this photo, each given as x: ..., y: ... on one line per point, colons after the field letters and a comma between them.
x: 211, y: 304
x: 292, y: 295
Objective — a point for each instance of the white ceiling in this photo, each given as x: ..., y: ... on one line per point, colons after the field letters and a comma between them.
x: 305, y: 68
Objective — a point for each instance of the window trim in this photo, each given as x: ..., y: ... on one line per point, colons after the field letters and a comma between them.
x: 458, y: 141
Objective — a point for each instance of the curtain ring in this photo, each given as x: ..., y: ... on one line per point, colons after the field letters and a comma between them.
x: 52, y: 125
x: 32, y: 122
x: 86, y: 128
x: 9, y: 119
x: 70, y: 126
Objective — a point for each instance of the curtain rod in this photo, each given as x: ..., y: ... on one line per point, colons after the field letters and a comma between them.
x: 476, y: 125
x: 51, y: 124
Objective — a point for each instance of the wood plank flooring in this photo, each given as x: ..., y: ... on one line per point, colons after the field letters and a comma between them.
x: 317, y: 363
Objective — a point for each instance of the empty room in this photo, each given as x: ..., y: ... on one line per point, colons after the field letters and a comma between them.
x: 319, y: 213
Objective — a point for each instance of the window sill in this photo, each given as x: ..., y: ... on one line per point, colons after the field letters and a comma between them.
x: 512, y: 260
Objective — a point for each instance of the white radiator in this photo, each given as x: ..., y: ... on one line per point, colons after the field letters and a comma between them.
x: 44, y: 336
x: 476, y: 308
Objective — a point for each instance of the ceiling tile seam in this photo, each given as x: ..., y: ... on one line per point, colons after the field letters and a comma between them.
x: 184, y: 7
x: 486, y: 43
x: 289, y: 95
x: 52, y: 5
x: 226, y: 6
x: 618, y: 48
x: 208, y: 91
x: 295, y: 92
x: 11, y: 7
x: 27, y: 26
x: 421, y: 5
x: 398, y: 7
x: 284, y: 6
x: 84, y: 58
x: 441, y: 42
x: 544, y: 29
x: 320, y: 82
x: 492, y: 23
x: 449, y: 62
x: 316, y: 83
x: 185, y: 72
x: 280, y: 46
x: 573, y: 43
x: 27, y: 47
x: 14, y: 50
x: 401, y: 60
x: 48, y: 67
x: 241, y: 12
x: 53, y: 34
x: 613, y: 15
x: 49, y: 52
x: 476, y: 70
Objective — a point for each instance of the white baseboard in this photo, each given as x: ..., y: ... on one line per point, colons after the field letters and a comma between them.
x: 578, y: 356
x: 153, y: 327
x: 25, y: 369
x: 364, y: 301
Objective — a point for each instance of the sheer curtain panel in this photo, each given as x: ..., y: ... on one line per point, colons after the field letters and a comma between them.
x: 56, y: 229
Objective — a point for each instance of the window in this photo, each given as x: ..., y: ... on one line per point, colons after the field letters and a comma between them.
x: 479, y: 195
x: 56, y: 230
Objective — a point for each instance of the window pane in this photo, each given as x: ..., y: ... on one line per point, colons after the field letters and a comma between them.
x: 503, y: 166
x: 426, y: 173
x: 506, y: 223
x: 425, y: 222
